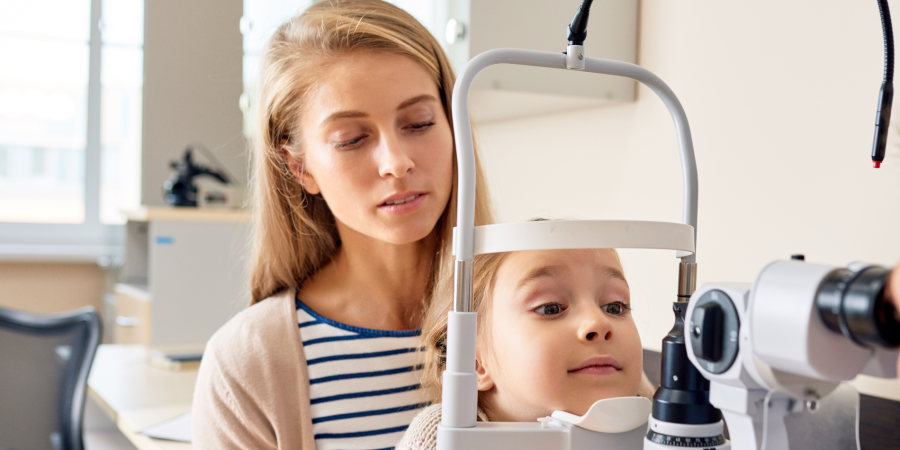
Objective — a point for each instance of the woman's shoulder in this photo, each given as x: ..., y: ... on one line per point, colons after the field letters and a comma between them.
x: 262, y: 331
x: 252, y: 384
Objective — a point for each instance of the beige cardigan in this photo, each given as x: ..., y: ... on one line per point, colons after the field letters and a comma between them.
x: 253, y: 388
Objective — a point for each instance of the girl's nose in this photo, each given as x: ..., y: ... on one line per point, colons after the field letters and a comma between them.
x: 595, y: 327
x: 393, y: 158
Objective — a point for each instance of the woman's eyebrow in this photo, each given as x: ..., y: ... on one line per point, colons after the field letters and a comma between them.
x: 344, y: 115
x: 358, y: 114
x: 414, y: 100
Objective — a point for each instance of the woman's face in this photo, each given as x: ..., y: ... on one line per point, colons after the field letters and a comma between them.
x: 561, y: 334
x: 377, y: 146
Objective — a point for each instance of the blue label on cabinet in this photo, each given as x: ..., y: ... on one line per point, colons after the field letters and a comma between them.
x: 165, y: 240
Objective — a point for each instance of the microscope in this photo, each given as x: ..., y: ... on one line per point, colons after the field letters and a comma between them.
x: 180, y: 189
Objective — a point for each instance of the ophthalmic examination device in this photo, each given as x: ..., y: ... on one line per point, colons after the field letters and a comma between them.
x: 767, y: 359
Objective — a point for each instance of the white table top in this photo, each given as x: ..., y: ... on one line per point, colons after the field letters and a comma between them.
x: 135, y: 395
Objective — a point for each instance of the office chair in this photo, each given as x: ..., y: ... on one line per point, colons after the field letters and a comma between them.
x: 44, y: 365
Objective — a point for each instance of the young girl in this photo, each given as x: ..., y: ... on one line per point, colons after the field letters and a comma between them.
x: 555, y: 332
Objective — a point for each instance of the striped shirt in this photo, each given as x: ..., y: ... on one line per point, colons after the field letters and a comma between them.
x: 364, y: 383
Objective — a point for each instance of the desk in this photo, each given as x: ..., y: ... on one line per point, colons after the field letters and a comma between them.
x: 135, y: 395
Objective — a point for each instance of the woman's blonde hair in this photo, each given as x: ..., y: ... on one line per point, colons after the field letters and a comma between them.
x: 295, y: 232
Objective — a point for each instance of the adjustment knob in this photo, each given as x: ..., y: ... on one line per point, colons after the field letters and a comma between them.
x: 708, y: 324
x: 713, y: 331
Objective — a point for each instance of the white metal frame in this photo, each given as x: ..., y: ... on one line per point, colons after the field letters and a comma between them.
x: 459, y: 399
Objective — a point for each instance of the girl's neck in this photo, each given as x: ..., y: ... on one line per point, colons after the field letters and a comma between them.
x: 373, y: 284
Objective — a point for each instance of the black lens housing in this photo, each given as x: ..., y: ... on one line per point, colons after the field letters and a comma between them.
x: 853, y: 304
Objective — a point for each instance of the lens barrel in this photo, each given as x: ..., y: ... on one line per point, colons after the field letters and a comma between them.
x: 853, y: 304
x: 683, y: 394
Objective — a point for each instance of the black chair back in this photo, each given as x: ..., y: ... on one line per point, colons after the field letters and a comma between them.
x: 44, y: 365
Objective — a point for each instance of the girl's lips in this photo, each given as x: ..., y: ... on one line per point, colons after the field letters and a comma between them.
x: 404, y: 208
x: 595, y: 370
x: 598, y: 365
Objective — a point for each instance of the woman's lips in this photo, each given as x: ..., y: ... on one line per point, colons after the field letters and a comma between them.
x: 598, y: 365
x: 407, y: 206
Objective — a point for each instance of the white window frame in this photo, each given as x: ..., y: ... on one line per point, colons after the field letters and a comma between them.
x: 91, y: 239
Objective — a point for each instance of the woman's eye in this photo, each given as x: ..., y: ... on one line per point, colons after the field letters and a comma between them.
x: 550, y: 309
x: 351, y: 142
x: 420, y: 126
x: 615, y: 308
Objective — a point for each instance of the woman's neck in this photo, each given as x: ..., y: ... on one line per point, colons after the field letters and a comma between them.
x: 373, y: 284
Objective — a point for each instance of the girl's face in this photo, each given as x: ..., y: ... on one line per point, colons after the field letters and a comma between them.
x: 377, y: 146
x: 561, y: 335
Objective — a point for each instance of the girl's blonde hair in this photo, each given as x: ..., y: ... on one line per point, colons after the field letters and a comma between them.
x: 295, y: 232
x: 434, y: 332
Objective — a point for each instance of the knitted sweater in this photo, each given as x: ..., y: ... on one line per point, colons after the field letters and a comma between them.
x: 422, y: 432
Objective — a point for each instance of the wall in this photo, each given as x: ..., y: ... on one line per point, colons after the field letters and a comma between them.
x: 192, y: 85
x: 781, y: 100
x: 50, y: 287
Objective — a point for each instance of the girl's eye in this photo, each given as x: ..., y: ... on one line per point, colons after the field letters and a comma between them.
x: 615, y: 308
x: 550, y: 309
x: 350, y: 143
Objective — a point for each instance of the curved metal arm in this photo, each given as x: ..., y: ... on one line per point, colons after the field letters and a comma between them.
x: 465, y: 153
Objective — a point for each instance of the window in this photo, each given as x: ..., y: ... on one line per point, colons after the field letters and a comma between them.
x: 70, y: 115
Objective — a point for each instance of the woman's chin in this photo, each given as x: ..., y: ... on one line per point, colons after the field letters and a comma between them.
x: 405, y: 235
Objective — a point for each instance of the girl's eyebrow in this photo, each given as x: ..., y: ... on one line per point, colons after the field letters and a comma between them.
x: 614, y: 273
x: 534, y: 274
x: 551, y: 271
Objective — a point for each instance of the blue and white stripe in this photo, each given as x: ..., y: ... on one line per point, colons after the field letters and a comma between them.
x: 364, y: 383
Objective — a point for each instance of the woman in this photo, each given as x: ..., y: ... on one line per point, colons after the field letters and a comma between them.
x: 355, y: 201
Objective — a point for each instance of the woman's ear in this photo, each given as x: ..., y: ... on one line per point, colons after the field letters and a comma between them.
x: 296, y: 167
x: 485, y: 378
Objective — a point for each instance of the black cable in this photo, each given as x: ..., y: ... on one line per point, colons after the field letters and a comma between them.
x: 577, y: 31
x: 886, y: 97
x: 888, y: 32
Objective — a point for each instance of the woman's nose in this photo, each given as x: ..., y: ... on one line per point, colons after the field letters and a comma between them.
x: 393, y: 158
x: 595, y: 327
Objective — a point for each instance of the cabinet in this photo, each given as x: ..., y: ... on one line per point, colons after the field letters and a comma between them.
x: 500, y: 92
x: 184, y: 275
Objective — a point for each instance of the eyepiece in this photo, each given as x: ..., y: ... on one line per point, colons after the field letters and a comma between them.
x: 853, y: 304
